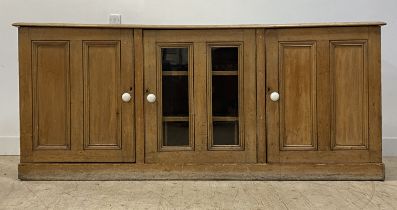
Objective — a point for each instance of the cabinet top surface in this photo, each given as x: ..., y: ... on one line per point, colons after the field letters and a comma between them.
x: 297, y: 25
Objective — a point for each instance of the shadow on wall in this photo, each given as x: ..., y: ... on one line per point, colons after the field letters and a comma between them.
x: 389, y: 105
x: 389, y: 98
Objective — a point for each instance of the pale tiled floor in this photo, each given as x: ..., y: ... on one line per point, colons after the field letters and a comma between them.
x: 15, y: 194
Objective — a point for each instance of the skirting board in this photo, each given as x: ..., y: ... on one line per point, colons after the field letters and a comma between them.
x: 9, y: 145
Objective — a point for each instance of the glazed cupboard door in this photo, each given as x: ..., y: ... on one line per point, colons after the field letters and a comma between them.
x: 72, y: 83
x: 322, y: 95
x: 200, y: 101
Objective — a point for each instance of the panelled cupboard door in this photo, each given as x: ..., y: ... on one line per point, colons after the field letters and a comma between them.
x: 199, y: 96
x: 323, y: 96
x: 72, y: 82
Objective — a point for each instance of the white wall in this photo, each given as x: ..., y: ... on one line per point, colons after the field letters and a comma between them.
x: 192, y: 12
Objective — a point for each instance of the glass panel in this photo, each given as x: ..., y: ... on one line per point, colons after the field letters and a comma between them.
x: 225, y: 96
x: 176, y: 133
x: 174, y: 59
x: 175, y: 96
x: 225, y: 66
x: 224, y: 58
x: 225, y: 133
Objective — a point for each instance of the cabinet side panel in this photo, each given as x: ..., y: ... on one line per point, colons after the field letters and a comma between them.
x: 374, y: 94
x: 261, y: 95
x: 350, y: 94
x: 25, y: 94
x: 51, y: 95
x: 297, y: 73
x: 102, y: 108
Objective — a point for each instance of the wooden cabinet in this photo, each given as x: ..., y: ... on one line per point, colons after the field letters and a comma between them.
x: 254, y: 102
x: 71, y: 85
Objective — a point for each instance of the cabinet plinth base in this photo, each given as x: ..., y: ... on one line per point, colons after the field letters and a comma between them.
x: 131, y: 171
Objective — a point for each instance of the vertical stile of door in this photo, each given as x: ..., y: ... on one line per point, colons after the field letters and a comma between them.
x: 261, y: 95
x: 139, y: 99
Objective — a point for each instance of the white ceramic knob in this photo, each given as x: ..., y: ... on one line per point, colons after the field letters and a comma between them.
x: 274, y: 96
x: 126, y: 97
x: 151, y: 98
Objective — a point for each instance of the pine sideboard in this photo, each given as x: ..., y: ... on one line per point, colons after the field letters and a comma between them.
x: 194, y: 102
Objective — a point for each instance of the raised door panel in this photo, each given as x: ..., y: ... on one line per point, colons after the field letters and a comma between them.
x: 102, y: 104
x: 350, y: 94
x: 51, y: 95
x: 297, y: 79
x: 108, y: 131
